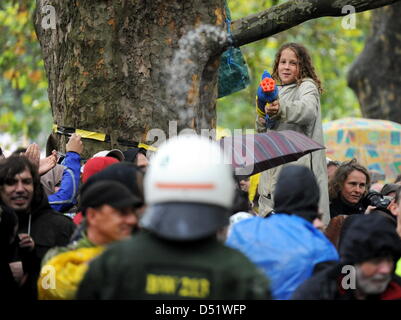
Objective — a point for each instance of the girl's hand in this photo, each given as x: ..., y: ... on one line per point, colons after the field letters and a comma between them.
x: 273, y: 108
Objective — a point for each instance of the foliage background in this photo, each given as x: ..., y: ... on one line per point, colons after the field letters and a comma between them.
x: 25, y: 110
x: 24, y: 105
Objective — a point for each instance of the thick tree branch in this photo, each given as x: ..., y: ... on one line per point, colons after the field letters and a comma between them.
x: 292, y: 13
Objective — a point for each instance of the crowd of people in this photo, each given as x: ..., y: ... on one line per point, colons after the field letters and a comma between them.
x: 181, y: 225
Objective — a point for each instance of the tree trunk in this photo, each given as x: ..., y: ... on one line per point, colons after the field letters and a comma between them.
x: 107, y: 61
x: 375, y: 75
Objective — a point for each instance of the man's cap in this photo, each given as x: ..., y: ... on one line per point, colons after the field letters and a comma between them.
x: 115, y: 153
x: 388, y: 188
x: 297, y: 192
x: 108, y: 192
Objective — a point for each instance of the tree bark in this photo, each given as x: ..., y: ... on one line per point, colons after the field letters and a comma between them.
x: 117, y: 66
x: 374, y: 76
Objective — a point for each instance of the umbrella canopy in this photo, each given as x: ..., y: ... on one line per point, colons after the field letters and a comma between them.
x: 376, y: 144
x: 254, y: 153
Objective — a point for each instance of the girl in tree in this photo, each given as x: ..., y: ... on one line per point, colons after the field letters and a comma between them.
x: 297, y: 108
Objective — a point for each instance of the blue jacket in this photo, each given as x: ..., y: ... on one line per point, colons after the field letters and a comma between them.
x: 286, y: 247
x: 66, y: 197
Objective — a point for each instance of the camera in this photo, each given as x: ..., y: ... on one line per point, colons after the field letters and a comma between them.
x: 374, y: 198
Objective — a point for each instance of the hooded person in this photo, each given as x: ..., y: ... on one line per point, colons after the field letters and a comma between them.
x: 286, y: 245
x: 176, y: 253
x: 39, y: 226
x: 369, y: 250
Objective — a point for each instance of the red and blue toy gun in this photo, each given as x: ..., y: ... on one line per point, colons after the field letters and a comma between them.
x: 267, y: 93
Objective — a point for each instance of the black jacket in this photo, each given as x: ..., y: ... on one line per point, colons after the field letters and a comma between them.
x: 48, y: 229
x: 297, y: 192
x: 8, y: 223
x: 338, y: 207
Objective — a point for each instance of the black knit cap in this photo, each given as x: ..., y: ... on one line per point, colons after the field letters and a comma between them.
x: 108, y: 192
x: 367, y: 237
x: 297, y: 192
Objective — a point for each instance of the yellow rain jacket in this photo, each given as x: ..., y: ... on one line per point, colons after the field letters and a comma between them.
x: 60, y: 276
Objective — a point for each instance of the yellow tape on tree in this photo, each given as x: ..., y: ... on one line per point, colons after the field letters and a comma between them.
x: 91, y: 135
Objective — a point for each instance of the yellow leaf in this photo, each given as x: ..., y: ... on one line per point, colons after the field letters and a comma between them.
x: 22, y: 17
x: 35, y: 76
x: 19, y: 50
x: 9, y: 74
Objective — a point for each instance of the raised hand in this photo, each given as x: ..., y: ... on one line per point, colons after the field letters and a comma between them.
x: 48, y: 163
x: 33, y: 154
x: 75, y: 144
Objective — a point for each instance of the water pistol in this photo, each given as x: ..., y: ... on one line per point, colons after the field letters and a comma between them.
x: 267, y: 93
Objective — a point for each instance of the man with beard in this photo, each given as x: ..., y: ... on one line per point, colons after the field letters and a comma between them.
x: 39, y: 226
x: 369, y: 250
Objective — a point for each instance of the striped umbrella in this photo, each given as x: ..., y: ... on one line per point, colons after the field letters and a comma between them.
x: 253, y: 153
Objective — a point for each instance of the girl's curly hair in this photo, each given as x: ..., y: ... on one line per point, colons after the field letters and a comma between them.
x: 306, y: 69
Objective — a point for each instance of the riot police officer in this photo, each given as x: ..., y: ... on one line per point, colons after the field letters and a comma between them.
x: 176, y: 255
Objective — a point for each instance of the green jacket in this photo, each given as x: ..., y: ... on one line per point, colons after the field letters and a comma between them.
x: 148, y: 267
